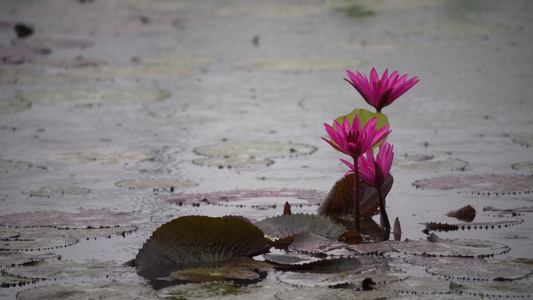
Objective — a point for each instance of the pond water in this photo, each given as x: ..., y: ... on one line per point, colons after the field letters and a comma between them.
x: 119, y: 116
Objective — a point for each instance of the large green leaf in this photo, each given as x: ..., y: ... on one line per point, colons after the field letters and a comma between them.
x: 364, y: 116
x: 198, y: 240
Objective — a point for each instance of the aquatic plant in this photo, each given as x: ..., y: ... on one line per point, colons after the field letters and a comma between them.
x: 380, y: 92
x: 374, y: 171
x: 354, y: 140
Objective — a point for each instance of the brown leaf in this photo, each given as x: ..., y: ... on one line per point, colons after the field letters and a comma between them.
x: 466, y: 213
x: 397, y: 232
x: 340, y: 199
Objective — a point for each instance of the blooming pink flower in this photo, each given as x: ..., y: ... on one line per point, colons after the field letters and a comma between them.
x: 354, y: 140
x: 375, y: 170
x: 380, y: 92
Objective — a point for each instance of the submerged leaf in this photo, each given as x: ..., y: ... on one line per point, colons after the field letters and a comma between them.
x: 196, y: 240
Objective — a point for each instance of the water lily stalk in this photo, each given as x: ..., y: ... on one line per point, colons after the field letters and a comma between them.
x: 354, y: 141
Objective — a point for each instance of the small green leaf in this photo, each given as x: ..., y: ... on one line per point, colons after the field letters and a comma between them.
x: 364, y: 116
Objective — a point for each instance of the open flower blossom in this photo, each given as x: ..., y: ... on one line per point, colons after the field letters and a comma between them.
x: 380, y: 92
x: 374, y: 170
x: 353, y: 140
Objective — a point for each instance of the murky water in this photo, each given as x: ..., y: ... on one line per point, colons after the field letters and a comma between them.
x: 107, y: 92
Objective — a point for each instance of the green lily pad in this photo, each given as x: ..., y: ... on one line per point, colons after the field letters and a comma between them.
x: 9, y: 106
x: 59, y: 269
x: 484, y: 184
x: 112, y: 290
x: 95, y: 97
x: 364, y: 116
x: 435, y: 246
x: 92, y: 218
x: 198, y: 240
x: 523, y: 140
x: 17, y: 258
x: 298, y: 64
x: 256, y: 149
x: 9, y: 165
x: 523, y: 166
x: 284, y: 226
x: 49, y: 191
x: 34, y: 238
x: 155, y: 184
x: 231, y: 162
x: 423, y: 163
x: 99, y: 157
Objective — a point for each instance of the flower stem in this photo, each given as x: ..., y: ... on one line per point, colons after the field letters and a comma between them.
x: 383, y: 212
x: 356, y: 208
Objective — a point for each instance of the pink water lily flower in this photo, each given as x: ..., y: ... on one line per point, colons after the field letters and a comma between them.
x: 353, y: 140
x: 380, y: 92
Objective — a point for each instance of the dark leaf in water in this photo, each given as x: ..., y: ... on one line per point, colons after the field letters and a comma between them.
x: 196, y: 240
x: 397, y: 232
x: 340, y: 199
x: 466, y: 213
x: 281, y: 227
x: 441, y: 226
x: 23, y: 30
x: 287, y: 209
x: 485, y: 184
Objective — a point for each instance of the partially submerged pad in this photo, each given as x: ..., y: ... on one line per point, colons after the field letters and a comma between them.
x: 198, y: 240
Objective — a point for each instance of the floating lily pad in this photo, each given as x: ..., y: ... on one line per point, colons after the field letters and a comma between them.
x: 155, y: 184
x: 485, y: 184
x: 326, y: 292
x: 307, y: 242
x: 94, y: 96
x: 82, y: 219
x: 9, y: 106
x: 523, y: 166
x: 137, y: 71
x: 193, y: 240
x: 227, y: 197
x: 232, y: 162
x: 59, y: 269
x: 106, y: 290
x: 452, y: 248
x: 256, y: 149
x: 472, y: 269
x: 215, y: 274
x: 12, y: 259
x: 212, y: 290
x: 49, y: 191
x: 424, y: 163
x: 298, y: 64
x: 34, y: 238
x: 523, y: 140
x: 513, y: 211
x: 9, y: 165
x: 99, y: 232
x: 281, y: 227
x: 99, y: 157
